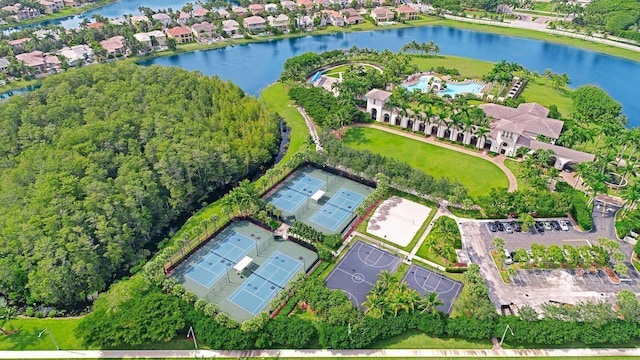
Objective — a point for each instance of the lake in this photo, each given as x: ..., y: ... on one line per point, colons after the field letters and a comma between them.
x: 254, y: 66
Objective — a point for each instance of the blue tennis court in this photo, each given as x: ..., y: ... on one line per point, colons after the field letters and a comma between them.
x: 338, y: 209
x: 208, y: 270
x: 292, y: 196
x: 263, y: 285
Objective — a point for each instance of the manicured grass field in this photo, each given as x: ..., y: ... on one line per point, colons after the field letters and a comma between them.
x: 477, y: 175
x: 539, y: 90
x: 468, y: 68
x: 62, y: 331
x: 414, y: 339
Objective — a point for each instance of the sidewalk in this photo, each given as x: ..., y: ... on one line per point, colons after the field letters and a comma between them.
x: 301, y: 354
x: 498, y: 160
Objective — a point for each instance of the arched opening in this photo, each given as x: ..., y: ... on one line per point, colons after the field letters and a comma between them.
x: 410, y: 124
x: 487, y: 144
x: 421, y: 127
x: 434, y: 130
x: 570, y: 166
x: 387, y: 118
x: 374, y: 114
x: 398, y: 120
x: 504, y: 148
x: 447, y: 134
x: 552, y: 161
x: 460, y: 137
x: 474, y: 141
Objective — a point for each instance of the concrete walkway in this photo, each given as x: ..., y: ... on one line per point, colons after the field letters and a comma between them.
x: 312, y: 128
x: 498, y: 160
x: 301, y: 354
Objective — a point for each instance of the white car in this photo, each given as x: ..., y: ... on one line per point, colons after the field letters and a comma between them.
x: 563, y: 225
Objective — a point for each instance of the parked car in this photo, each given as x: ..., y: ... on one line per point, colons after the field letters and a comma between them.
x: 499, y: 225
x: 547, y: 225
x: 508, y: 228
x: 516, y: 226
x: 555, y: 224
x: 507, y: 257
x: 492, y: 227
x: 539, y: 227
x: 563, y: 225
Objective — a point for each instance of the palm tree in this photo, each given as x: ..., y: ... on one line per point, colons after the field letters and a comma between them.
x: 429, y: 304
x: 387, y: 279
x: 375, y: 306
x: 228, y: 203
x: 631, y: 195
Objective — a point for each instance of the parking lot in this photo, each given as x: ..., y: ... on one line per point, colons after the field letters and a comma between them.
x: 523, y: 240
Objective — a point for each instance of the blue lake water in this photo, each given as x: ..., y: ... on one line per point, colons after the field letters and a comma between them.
x: 254, y: 66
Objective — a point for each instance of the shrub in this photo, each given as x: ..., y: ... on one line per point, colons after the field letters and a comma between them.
x: 39, y: 314
x: 579, y: 209
x: 29, y: 311
x: 52, y: 313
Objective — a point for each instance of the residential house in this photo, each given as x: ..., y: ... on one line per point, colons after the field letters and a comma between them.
x: 407, y: 12
x: 321, y: 4
x: 11, y: 9
x: 114, y: 46
x: 43, y: 33
x: 145, y: 40
x: 70, y: 3
x: 290, y: 5
x: 304, y: 22
x: 18, y: 44
x: 333, y: 17
x: 200, y: 14
x: 183, y: 17
x: 152, y: 39
x: 256, y: 8
x: 352, y: 17
x: 307, y: 4
x: 26, y: 13
x: 96, y: 25
x: 271, y: 8
x: 163, y: 18
x: 280, y: 22
x: 381, y: 14
x: 182, y: 34
x: 203, y: 32
x: 119, y: 21
x: 39, y: 63
x: 223, y: 13
x: 340, y: 3
x: 4, y: 64
x: 77, y: 55
x: 139, y: 18
x: 230, y: 27
x: 51, y: 6
x: 253, y: 23
x: 240, y: 11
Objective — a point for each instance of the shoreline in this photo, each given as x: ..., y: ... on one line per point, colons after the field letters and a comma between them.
x: 37, y: 22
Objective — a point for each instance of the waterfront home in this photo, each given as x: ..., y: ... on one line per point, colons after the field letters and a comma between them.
x: 223, y: 13
x: 305, y: 22
x: 381, y: 14
x: 407, y: 12
x: 256, y: 8
x: 280, y: 22
x: 39, y: 63
x: 253, y: 23
x: 114, y: 46
x: 333, y: 17
x: 288, y: 4
x: 183, y: 17
x: 51, y: 6
x: 200, y: 14
x: 240, y: 11
x: 230, y: 27
x: 203, y: 32
x: 182, y: 34
x: 139, y: 18
x: 163, y: 18
x: 352, y: 17
x: 96, y: 26
x: 77, y: 54
x: 70, y: 3
x: 22, y: 12
x: 271, y: 8
x: 322, y: 4
x: 43, y: 33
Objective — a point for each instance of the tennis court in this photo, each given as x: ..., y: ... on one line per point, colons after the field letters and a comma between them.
x: 267, y: 281
x: 292, y: 196
x: 426, y: 281
x: 358, y: 271
x: 209, y: 269
x: 339, y: 208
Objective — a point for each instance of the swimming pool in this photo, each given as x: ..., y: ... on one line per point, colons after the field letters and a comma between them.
x: 452, y: 88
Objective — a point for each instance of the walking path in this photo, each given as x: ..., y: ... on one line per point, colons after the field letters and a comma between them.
x: 301, y: 354
x: 498, y: 160
x: 311, y: 126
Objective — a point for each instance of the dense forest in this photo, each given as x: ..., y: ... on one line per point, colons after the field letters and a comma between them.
x: 100, y: 160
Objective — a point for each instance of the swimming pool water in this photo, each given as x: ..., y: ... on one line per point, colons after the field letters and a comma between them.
x: 452, y: 89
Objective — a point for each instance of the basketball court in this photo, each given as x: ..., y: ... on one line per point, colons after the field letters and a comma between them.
x: 426, y: 281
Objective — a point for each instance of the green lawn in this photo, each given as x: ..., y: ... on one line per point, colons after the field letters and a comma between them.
x: 539, y: 90
x: 477, y: 175
x: 62, y: 331
x: 414, y: 339
x: 469, y: 68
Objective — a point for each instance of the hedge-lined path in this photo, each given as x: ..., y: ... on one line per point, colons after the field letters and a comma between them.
x: 301, y: 354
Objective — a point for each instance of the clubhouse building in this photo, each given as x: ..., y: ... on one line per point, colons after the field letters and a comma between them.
x: 510, y: 128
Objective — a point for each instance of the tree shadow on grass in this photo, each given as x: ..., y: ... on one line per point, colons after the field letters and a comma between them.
x: 23, y: 340
x: 355, y: 136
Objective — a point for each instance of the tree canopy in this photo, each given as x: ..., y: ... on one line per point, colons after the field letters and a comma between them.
x: 100, y: 160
